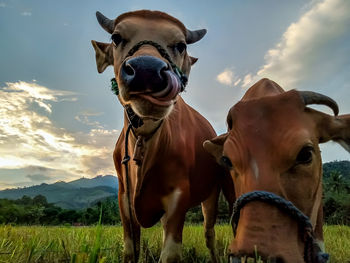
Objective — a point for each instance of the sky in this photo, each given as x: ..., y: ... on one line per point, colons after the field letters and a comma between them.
x: 60, y: 121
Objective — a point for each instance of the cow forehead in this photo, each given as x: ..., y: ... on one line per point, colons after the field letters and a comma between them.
x: 269, y: 112
x: 151, y: 15
x: 269, y: 127
x: 149, y: 29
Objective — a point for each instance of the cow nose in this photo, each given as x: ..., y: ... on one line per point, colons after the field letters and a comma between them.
x: 144, y: 73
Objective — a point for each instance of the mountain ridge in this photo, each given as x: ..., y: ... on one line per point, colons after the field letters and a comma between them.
x: 76, y: 194
x: 84, y: 192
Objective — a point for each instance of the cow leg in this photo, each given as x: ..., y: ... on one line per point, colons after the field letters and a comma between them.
x: 209, y: 209
x: 172, y: 237
x: 131, y: 230
x: 129, y: 243
x: 173, y: 222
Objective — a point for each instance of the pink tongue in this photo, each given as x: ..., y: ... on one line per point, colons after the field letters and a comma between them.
x: 170, y: 92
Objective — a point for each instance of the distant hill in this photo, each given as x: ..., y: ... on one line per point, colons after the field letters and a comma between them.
x: 343, y: 167
x: 107, y: 180
x: 76, y: 194
x: 84, y: 192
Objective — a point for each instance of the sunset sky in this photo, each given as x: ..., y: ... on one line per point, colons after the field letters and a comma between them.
x: 59, y: 120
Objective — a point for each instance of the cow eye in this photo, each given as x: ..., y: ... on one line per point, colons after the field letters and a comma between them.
x: 305, y: 155
x: 181, y: 47
x: 116, y: 38
x: 226, y: 162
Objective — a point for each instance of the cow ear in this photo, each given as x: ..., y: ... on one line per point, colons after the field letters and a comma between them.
x: 336, y: 129
x: 193, y: 60
x: 104, y: 55
x: 215, y: 146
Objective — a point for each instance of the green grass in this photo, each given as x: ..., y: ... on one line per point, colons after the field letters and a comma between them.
x: 337, y: 242
x: 104, y: 244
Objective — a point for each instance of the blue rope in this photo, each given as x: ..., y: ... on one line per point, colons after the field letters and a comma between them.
x: 292, y: 211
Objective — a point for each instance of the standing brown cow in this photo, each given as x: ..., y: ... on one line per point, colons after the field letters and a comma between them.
x: 272, y: 152
x: 169, y: 171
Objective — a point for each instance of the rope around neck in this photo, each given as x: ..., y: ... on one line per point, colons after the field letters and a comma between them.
x: 312, y: 251
x: 125, y: 162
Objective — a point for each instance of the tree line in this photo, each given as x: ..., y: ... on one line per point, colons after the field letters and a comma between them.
x: 37, y: 211
x: 336, y: 198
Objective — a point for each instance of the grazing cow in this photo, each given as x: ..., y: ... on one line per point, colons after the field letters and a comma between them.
x: 169, y: 171
x: 271, y: 149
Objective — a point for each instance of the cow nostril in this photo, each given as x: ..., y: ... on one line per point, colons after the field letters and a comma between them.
x: 129, y: 70
x: 165, y: 67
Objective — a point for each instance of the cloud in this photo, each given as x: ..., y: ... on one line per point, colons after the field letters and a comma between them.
x: 33, y: 93
x: 84, y: 117
x: 249, y: 80
x: 237, y: 82
x: 312, y: 50
x: 26, y: 13
x: 225, y: 77
x: 29, y: 138
x: 9, y: 185
x: 38, y: 177
x: 228, y: 77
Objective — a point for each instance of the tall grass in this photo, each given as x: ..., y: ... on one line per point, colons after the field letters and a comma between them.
x: 104, y: 244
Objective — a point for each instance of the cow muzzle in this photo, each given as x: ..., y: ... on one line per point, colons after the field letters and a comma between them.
x: 312, y: 251
x: 150, y: 78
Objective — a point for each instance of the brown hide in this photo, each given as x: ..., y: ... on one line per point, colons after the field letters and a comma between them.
x: 173, y: 172
x: 173, y: 159
x: 272, y: 145
x: 262, y: 88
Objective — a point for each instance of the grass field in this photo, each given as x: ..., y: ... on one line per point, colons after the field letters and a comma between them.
x: 104, y: 244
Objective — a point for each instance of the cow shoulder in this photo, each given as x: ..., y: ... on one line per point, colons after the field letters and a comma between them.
x: 194, y: 121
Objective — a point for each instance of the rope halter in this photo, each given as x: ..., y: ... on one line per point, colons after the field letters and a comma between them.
x: 182, y: 77
x: 312, y: 251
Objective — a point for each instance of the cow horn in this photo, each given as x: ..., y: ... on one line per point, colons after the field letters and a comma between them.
x: 194, y: 36
x: 105, y: 22
x: 310, y: 97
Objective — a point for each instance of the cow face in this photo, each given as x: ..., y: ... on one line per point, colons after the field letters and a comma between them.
x: 272, y: 145
x: 145, y: 78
